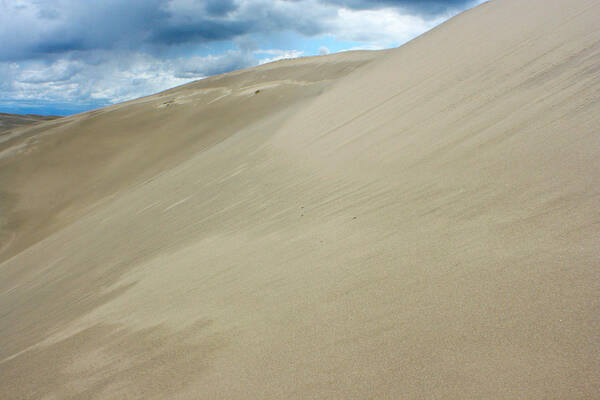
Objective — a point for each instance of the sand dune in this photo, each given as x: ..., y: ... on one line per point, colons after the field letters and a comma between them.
x: 415, y: 223
x: 9, y: 122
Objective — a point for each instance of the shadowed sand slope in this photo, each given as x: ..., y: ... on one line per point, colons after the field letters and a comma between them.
x: 417, y: 223
x: 9, y: 122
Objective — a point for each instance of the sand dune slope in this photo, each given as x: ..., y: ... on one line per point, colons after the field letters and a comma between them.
x: 11, y: 121
x: 417, y: 223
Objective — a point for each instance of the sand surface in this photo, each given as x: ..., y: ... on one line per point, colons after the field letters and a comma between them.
x: 10, y: 122
x: 419, y: 223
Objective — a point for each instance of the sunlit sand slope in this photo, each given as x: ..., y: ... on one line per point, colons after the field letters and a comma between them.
x: 417, y: 223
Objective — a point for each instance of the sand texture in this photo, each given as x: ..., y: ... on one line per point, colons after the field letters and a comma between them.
x: 418, y: 223
x: 9, y: 122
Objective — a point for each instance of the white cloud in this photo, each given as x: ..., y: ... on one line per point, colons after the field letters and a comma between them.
x: 380, y: 28
x: 278, y: 55
x: 324, y: 50
x: 107, y: 82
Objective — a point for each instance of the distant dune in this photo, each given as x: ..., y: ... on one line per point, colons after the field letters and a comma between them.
x: 10, y: 121
x: 418, y: 223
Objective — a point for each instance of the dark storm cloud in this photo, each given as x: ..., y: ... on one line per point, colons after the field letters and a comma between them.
x: 220, y: 7
x: 199, y: 31
x: 33, y: 29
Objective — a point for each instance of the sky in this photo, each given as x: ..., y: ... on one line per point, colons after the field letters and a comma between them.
x: 60, y: 57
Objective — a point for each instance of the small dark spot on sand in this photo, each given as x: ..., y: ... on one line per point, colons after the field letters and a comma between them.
x: 257, y: 92
x: 353, y: 217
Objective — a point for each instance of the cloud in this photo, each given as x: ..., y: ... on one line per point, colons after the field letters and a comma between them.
x: 32, y: 29
x: 379, y: 28
x: 41, y: 28
x: 415, y: 7
x: 323, y: 50
x: 118, y: 77
x: 277, y: 55
x: 99, y: 52
x: 197, y: 67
